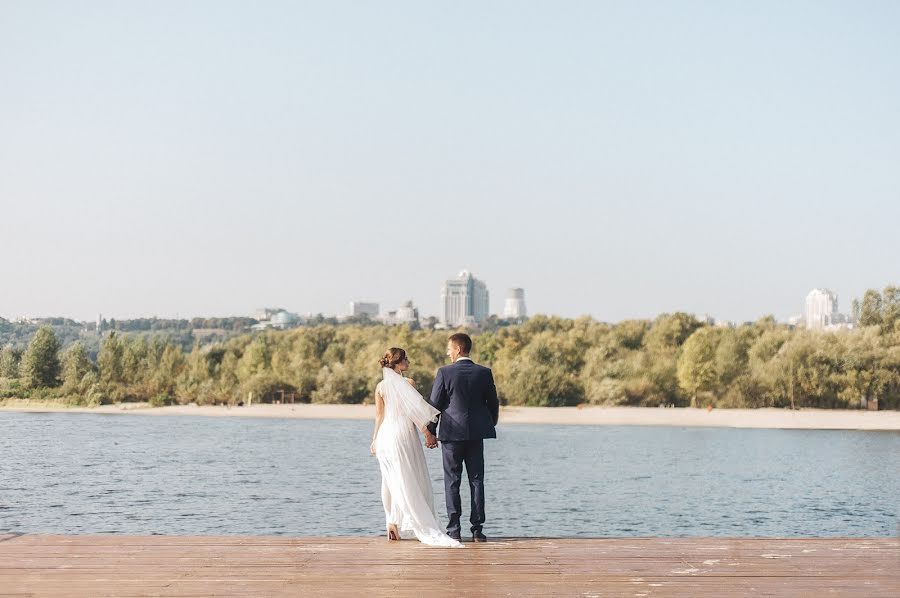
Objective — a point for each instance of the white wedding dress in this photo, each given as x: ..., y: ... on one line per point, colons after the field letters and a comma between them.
x: 405, y: 484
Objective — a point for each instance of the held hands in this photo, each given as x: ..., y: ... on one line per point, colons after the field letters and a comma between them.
x: 430, y: 440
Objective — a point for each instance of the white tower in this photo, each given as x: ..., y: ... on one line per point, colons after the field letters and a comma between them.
x: 515, y: 304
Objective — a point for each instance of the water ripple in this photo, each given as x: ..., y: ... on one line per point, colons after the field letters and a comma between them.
x: 68, y: 473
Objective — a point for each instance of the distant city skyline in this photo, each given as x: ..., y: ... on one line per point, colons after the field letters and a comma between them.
x: 819, y: 310
x: 615, y: 159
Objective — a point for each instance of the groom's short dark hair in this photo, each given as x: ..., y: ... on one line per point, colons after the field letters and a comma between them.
x: 462, y: 341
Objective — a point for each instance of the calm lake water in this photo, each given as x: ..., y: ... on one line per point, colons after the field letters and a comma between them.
x: 86, y: 473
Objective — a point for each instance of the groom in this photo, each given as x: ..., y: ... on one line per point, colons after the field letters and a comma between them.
x: 465, y: 394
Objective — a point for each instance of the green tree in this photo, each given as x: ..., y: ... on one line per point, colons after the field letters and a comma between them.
x: 544, y: 373
x: 76, y: 364
x: 731, y: 355
x: 630, y: 333
x: 40, y: 365
x: 338, y: 383
x: 265, y: 387
x: 228, y: 380
x: 697, y: 363
x: 256, y: 358
x: 171, y: 365
x: 9, y: 362
x: 540, y: 384
x: 870, y: 309
x: 200, y: 365
x: 134, y: 360
x: 890, y: 308
x: 671, y: 330
x: 110, y: 361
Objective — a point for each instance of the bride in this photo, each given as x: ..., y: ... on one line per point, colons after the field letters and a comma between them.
x: 405, y: 484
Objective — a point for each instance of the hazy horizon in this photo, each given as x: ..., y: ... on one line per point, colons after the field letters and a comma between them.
x: 845, y: 307
x: 618, y: 160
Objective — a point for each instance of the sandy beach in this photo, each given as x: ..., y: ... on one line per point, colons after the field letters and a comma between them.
x: 809, y: 419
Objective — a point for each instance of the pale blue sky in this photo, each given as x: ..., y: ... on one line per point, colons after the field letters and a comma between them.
x: 617, y: 159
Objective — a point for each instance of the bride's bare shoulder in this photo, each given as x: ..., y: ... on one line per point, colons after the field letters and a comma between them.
x: 411, y: 382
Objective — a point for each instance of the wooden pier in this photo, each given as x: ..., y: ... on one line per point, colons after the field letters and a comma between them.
x: 115, y: 565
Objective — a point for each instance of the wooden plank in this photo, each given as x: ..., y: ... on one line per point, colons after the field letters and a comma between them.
x: 276, y: 566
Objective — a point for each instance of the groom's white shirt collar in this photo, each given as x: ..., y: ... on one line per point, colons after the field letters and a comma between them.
x: 461, y: 358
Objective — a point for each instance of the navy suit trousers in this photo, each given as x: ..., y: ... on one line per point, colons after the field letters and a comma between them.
x: 470, y: 453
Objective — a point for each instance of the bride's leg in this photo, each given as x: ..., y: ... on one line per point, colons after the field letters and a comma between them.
x: 392, y: 532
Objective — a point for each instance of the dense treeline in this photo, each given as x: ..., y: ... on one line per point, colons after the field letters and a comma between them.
x: 162, y: 324
x: 19, y: 335
x: 184, y: 333
x: 673, y: 359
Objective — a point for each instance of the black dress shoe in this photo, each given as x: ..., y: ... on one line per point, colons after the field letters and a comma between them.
x: 478, y: 537
x: 455, y: 536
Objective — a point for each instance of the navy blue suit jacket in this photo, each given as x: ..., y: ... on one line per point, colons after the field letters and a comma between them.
x: 465, y: 394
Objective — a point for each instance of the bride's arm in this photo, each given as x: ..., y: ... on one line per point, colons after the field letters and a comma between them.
x: 430, y: 440
x: 379, y: 417
x: 426, y: 431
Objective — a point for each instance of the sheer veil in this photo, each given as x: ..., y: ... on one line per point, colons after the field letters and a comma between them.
x: 400, y: 396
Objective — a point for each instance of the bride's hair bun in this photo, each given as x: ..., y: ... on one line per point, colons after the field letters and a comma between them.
x: 392, y: 357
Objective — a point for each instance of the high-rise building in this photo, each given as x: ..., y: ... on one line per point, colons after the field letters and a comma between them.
x: 515, y: 304
x: 821, y: 309
x: 361, y: 308
x: 465, y: 301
